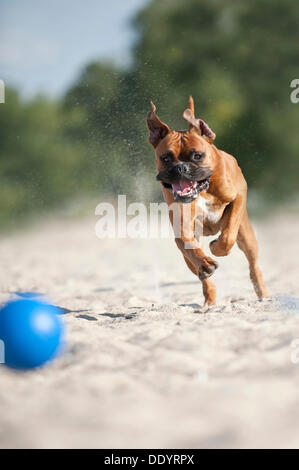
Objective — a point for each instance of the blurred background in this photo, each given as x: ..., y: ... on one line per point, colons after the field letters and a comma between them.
x: 79, y: 77
x: 141, y: 357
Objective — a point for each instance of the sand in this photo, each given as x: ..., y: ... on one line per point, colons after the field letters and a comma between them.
x: 143, y: 367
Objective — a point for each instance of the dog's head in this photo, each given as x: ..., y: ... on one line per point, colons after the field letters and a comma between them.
x: 184, y: 159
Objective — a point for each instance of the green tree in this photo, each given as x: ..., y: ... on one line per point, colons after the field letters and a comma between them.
x: 237, y: 59
x: 113, y: 131
x: 38, y: 166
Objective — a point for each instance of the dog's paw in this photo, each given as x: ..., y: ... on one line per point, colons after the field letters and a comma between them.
x: 207, y: 306
x: 206, y: 268
x: 221, y: 246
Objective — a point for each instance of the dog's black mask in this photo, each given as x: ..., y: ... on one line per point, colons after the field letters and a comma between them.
x: 185, y: 180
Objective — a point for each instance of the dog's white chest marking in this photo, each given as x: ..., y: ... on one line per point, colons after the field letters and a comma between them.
x: 209, y: 214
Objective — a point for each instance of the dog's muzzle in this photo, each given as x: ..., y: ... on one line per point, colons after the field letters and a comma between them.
x: 184, y: 182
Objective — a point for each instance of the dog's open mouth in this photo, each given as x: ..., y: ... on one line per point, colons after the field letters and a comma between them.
x: 186, y: 190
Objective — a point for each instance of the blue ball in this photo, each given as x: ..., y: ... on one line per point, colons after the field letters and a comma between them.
x: 31, y: 332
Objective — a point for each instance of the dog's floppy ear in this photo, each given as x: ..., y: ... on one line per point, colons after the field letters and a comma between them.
x: 198, y: 124
x: 157, y: 129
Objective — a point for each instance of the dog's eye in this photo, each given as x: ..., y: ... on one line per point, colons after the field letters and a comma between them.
x: 166, y: 158
x: 197, y: 156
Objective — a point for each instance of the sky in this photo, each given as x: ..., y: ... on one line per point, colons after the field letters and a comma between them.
x: 45, y: 44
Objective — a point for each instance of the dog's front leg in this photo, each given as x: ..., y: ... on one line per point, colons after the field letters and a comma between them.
x: 230, y: 227
x: 183, y: 221
x: 203, y: 265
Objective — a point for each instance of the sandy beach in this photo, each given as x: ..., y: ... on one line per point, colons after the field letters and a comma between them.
x: 143, y: 367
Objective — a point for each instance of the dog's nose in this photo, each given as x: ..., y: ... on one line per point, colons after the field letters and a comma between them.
x: 181, y: 168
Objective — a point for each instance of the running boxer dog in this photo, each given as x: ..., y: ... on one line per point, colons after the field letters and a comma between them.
x: 193, y: 172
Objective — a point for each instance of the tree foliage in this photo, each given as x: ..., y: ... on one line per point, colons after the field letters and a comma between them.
x: 236, y: 58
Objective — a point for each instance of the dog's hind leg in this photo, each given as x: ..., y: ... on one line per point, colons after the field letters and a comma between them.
x: 208, y: 287
x: 247, y: 243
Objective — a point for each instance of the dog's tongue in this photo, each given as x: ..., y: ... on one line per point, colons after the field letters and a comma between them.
x: 183, y: 186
